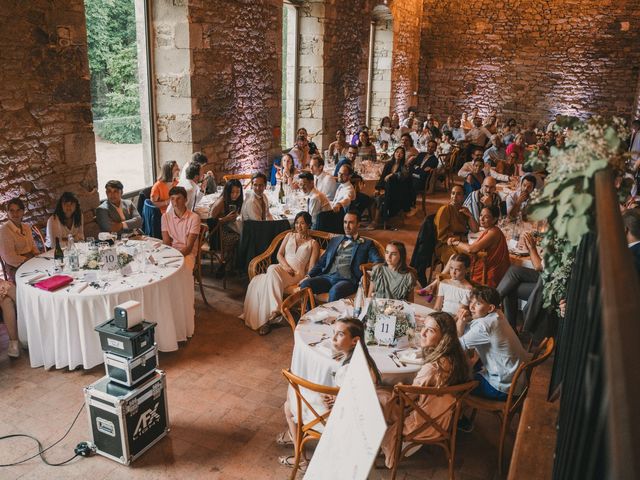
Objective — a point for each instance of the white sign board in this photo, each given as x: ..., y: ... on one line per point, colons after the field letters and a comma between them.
x: 110, y: 258
x: 354, y: 431
x: 385, y: 329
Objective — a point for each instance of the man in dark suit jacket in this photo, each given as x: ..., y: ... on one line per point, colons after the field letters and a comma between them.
x: 338, y: 269
x: 116, y: 214
x: 631, y: 221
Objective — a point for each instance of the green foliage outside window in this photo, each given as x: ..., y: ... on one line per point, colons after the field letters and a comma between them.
x: 115, y: 93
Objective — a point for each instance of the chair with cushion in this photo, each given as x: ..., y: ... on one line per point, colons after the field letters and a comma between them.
x: 212, y: 246
x: 506, y: 410
x: 152, y: 216
x: 143, y: 195
x: 309, y: 430
x: 408, y: 396
x: 296, y: 305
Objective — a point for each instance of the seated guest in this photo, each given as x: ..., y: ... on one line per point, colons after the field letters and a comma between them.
x: 313, y: 149
x: 529, y: 135
x: 430, y: 125
x: 496, y: 152
x: 316, y: 200
x: 631, y: 222
x: 444, y: 365
x: 453, y: 292
x: 517, y: 147
x: 362, y: 202
x: 181, y: 227
x: 448, y: 126
x: 498, y: 347
x: 338, y: 270
x: 366, y: 149
x: 475, y: 178
x: 478, y: 136
x: 393, y: 190
x: 168, y: 178
x: 207, y: 180
x: 16, y: 239
x: 116, y: 214
x: 287, y: 171
x: 409, y: 119
x: 256, y: 205
x: 191, y: 185
x: 339, y: 148
x: 385, y: 131
x: 518, y: 201
x: 491, y: 123
x: 300, y: 153
x: 467, y: 167
x: 423, y: 168
x: 508, y: 167
x: 446, y: 144
x: 452, y: 220
x: 411, y: 152
x: 457, y: 131
x: 350, y: 159
x: 66, y: 220
x: 492, y: 241
x: 393, y: 279
x: 324, y: 182
x: 509, y: 133
x: 298, y: 252
x: 225, y: 210
x: 485, y: 197
x: 519, y: 283
x: 345, y: 193
x: 8, y: 307
x: 347, y: 333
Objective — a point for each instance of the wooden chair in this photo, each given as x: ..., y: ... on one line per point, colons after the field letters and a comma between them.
x: 409, y: 402
x: 37, y: 235
x: 296, y: 305
x: 506, y: 410
x: 366, y: 268
x: 306, y: 431
x: 449, y: 167
x: 239, y: 176
x: 197, y: 269
x: 4, y: 269
x: 217, y: 254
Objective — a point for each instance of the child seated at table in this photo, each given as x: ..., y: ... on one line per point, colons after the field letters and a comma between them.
x: 453, y: 291
x: 347, y: 333
x: 487, y: 331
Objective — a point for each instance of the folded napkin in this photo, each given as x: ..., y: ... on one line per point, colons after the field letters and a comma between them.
x: 411, y: 356
x: 54, y: 283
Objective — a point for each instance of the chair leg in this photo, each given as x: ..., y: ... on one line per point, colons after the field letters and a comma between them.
x: 204, y: 298
x: 503, y: 434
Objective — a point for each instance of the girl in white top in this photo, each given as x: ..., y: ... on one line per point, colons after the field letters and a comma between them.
x: 66, y: 220
x: 454, y: 292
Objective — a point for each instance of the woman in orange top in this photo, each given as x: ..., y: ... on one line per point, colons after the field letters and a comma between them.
x: 167, y: 180
x: 492, y: 241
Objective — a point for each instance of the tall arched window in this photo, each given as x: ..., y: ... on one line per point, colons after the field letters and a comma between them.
x: 380, y: 62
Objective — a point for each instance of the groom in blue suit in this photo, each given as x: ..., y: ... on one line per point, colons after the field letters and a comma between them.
x: 338, y: 269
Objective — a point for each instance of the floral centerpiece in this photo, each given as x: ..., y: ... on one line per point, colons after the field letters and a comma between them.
x: 402, y: 311
x: 124, y: 258
x: 92, y: 262
x: 567, y: 200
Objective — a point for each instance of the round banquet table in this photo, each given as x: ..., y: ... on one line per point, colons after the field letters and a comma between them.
x: 315, y: 362
x: 59, y: 326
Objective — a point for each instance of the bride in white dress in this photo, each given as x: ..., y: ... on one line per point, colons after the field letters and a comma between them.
x: 297, y: 254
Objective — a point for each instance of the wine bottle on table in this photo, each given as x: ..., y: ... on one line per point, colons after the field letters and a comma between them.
x: 281, y: 193
x: 58, y: 256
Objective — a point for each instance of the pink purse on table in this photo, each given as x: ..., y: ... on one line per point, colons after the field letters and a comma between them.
x: 52, y: 284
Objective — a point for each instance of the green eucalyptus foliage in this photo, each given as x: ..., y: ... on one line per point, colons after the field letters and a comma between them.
x: 567, y: 200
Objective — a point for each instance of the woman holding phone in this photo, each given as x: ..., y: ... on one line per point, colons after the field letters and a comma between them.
x: 225, y: 210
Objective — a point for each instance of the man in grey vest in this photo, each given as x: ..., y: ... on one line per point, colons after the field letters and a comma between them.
x: 338, y: 269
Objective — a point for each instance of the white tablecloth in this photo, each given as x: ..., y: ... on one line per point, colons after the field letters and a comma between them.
x: 315, y: 363
x: 59, y: 326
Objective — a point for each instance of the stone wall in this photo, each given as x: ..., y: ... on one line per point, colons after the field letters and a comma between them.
x: 382, y: 70
x: 529, y: 60
x: 46, y: 135
x: 235, y: 81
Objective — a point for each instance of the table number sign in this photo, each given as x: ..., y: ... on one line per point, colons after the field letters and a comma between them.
x: 109, y: 257
x: 385, y: 329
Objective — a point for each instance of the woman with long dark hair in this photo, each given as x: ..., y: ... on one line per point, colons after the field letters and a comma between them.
x: 393, y: 279
x: 225, y: 210
x: 393, y: 190
x: 444, y: 365
x: 66, y: 220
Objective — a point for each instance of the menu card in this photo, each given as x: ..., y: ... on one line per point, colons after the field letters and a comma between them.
x: 350, y: 442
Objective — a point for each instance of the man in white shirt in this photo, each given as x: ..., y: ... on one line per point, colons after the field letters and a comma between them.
x: 518, y: 201
x: 207, y: 180
x: 478, y: 135
x: 476, y: 155
x: 256, y: 204
x: 191, y: 185
x: 345, y: 194
x: 316, y: 201
x: 324, y: 182
x: 457, y: 131
x: 408, y: 122
x: 496, y: 152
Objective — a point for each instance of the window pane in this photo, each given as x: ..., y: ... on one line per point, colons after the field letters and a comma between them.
x: 117, y: 60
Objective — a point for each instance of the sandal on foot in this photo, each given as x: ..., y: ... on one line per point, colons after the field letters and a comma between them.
x: 264, y: 329
x: 284, y: 438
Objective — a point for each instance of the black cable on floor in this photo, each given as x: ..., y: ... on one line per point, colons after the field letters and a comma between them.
x: 40, y: 449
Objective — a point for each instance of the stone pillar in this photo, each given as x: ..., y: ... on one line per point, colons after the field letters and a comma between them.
x: 382, y: 63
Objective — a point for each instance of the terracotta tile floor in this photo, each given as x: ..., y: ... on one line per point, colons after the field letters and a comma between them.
x: 225, y: 393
